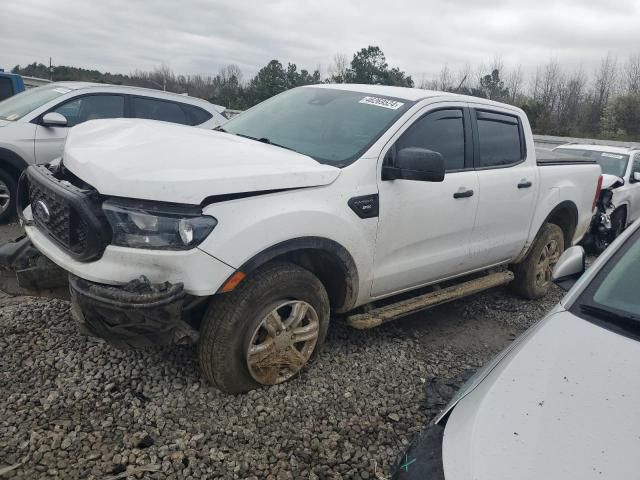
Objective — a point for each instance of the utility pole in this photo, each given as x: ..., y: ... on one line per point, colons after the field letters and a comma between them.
x: 50, y: 70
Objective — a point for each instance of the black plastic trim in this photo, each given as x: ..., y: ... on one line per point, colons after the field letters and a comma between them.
x: 365, y: 206
x: 349, y: 268
x: 85, y: 202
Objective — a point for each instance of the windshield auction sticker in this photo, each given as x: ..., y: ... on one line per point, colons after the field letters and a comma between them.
x: 382, y: 102
x: 612, y: 155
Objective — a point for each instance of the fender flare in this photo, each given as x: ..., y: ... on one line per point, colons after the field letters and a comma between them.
x: 347, y: 265
x: 568, y: 234
x: 15, y: 161
x: 573, y: 210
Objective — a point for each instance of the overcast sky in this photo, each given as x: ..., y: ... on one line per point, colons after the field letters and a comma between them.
x: 200, y: 36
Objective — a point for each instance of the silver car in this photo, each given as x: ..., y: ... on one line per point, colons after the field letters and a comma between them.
x: 562, y: 401
x: 34, y: 124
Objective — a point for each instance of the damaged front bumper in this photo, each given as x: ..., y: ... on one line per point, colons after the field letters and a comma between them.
x: 136, y: 315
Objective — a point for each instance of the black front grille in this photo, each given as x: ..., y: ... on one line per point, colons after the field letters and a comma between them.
x: 70, y: 215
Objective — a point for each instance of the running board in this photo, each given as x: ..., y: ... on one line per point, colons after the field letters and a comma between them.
x: 378, y: 316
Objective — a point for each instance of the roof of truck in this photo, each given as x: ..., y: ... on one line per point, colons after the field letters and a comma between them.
x: 408, y: 93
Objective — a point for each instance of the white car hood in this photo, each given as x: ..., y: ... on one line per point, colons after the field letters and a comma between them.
x: 562, y: 405
x: 152, y: 160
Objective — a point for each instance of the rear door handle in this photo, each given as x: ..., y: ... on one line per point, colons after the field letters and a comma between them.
x: 524, y: 183
x: 463, y: 194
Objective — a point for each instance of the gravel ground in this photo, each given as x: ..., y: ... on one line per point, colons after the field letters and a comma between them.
x: 75, y: 407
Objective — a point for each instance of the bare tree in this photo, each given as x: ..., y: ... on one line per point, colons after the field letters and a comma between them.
x: 631, y: 74
x: 514, y: 83
x: 338, y: 70
x: 445, y: 79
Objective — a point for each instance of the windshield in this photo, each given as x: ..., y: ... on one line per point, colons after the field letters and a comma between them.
x: 331, y: 126
x: 612, y: 296
x: 610, y: 163
x: 16, y: 107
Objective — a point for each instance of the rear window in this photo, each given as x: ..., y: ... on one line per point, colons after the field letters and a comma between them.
x: 153, y: 109
x: 499, y: 138
x: 610, y: 163
x: 6, y: 88
x: 195, y: 115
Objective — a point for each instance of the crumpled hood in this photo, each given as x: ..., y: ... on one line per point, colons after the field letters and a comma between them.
x: 610, y: 181
x: 562, y: 405
x: 152, y: 160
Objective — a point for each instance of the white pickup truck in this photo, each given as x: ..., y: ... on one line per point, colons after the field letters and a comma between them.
x: 320, y: 200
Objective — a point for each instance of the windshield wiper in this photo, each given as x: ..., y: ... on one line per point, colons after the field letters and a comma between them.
x: 265, y: 140
x: 220, y: 129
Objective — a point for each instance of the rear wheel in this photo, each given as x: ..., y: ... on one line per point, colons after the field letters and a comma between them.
x: 265, y: 331
x: 533, y: 276
x: 8, y: 189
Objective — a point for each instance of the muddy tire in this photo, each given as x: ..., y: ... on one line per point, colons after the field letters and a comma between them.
x: 533, y: 274
x: 8, y: 190
x: 266, y: 330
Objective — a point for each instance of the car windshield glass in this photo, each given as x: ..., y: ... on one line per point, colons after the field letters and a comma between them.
x: 612, y: 296
x: 331, y: 126
x: 16, y: 107
x: 611, y: 163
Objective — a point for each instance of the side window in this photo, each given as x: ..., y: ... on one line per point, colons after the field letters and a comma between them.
x: 441, y: 131
x: 6, y: 88
x: 635, y: 168
x: 153, y: 109
x: 91, y: 107
x: 195, y: 115
x: 499, y: 138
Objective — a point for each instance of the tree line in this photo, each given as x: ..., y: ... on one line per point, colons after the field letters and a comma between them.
x: 603, y: 102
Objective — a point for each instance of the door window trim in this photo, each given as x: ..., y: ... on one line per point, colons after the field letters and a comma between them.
x: 477, y: 113
x: 467, y: 132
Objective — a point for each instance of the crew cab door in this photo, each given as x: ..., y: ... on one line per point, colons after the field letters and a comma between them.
x: 507, y: 175
x: 49, y: 140
x: 424, y: 227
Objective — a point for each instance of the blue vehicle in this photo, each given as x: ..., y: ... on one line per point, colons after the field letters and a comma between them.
x: 10, y: 84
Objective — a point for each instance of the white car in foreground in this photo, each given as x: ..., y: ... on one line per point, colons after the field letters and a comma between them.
x: 619, y: 202
x: 561, y: 403
x: 34, y: 124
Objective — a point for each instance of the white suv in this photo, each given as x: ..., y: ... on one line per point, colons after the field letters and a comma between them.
x: 34, y: 124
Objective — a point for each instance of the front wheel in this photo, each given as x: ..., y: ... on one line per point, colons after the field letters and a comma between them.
x: 265, y: 331
x: 533, y: 276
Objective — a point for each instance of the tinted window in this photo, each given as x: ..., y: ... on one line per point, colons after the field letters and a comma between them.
x: 195, y: 115
x: 636, y: 164
x: 331, y: 126
x: 442, y: 132
x: 91, y: 107
x: 6, y: 88
x: 153, y: 109
x: 499, y: 139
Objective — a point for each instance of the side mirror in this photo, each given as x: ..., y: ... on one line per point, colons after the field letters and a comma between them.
x: 635, y: 177
x: 54, y: 119
x: 569, y: 268
x: 415, y: 163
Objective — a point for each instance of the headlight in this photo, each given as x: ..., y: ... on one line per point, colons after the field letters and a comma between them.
x: 155, y: 226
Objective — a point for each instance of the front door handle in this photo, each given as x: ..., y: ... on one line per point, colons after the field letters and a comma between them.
x: 524, y: 183
x: 463, y: 194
